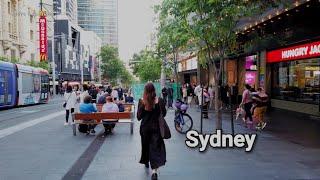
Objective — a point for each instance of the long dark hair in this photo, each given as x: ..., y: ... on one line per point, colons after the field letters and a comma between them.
x: 149, y: 96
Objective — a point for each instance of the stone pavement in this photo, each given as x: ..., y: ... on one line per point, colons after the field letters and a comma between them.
x: 272, y: 157
x: 49, y: 151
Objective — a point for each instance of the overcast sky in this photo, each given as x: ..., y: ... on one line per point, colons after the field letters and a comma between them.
x: 135, y: 26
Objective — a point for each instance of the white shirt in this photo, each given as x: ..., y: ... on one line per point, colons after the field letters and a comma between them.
x: 70, y: 99
x: 82, y: 95
x: 197, y: 90
x: 114, y: 94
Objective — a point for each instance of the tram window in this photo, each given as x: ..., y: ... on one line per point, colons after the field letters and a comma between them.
x: 27, y: 83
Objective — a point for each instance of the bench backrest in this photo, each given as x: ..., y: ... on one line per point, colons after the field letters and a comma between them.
x: 99, y: 116
x: 126, y: 106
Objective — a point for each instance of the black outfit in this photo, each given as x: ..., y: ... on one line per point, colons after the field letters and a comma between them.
x: 247, y: 108
x: 153, y: 148
x: 164, y: 94
x: 120, y: 93
x: 129, y: 99
x: 170, y: 97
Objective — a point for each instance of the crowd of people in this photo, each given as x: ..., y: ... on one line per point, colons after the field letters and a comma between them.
x: 254, y: 102
x: 150, y: 108
x: 85, y: 101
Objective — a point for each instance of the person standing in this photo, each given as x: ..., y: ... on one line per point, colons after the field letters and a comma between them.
x: 120, y: 93
x: 153, y: 147
x: 261, y: 101
x: 197, y: 92
x: 114, y: 94
x: 247, y: 102
x: 70, y: 98
x: 170, y: 97
x: 84, y: 93
x: 184, y: 93
x: 164, y: 92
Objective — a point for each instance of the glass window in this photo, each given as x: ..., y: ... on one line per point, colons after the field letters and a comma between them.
x: 27, y: 85
x: 297, y: 80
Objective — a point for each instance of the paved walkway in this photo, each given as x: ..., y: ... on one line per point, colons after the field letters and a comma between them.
x: 272, y: 157
x: 48, y: 150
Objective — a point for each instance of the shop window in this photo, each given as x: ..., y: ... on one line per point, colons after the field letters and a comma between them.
x: 297, y: 80
x: 251, y: 70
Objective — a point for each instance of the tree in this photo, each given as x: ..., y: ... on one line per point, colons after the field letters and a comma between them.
x: 112, y: 67
x: 212, y: 25
x: 146, y: 65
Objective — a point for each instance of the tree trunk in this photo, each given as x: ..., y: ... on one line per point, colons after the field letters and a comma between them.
x: 217, y: 107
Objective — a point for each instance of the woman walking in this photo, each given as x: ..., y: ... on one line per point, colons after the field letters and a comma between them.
x: 247, y: 102
x: 70, y: 99
x: 153, y: 147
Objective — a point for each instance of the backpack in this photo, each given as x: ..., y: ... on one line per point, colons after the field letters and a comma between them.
x: 83, y: 128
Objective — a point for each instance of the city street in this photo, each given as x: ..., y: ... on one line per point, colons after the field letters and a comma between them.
x: 36, y: 145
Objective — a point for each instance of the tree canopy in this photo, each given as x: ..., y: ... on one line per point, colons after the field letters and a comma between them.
x: 146, y: 65
x: 112, y: 67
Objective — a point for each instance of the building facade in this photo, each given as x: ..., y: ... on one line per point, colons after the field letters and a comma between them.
x: 75, y: 49
x: 286, y: 61
x: 19, y: 30
x: 90, y: 44
x: 101, y: 17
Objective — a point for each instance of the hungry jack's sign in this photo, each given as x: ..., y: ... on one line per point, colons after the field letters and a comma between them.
x: 293, y: 53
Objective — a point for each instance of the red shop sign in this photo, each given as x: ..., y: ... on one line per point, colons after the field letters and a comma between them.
x: 43, y: 37
x: 293, y: 53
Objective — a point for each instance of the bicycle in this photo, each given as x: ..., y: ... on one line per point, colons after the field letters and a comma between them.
x: 182, y: 121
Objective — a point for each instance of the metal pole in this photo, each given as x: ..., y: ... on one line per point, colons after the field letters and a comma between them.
x: 232, y: 124
x: 81, y: 69
x: 201, y: 120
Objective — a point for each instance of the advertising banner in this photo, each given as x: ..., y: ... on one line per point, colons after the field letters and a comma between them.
x: 43, y: 36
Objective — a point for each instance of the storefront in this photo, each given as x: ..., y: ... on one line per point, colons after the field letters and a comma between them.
x: 295, y: 77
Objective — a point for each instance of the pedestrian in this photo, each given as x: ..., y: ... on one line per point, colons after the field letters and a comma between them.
x: 184, y: 93
x: 197, y: 91
x: 109, y: 106
x: 100, y: 93
x: 114, y: 94
x: 70, y: 99
x: 203, y: 103
x: 120, y: 93
x: 247, y: 102
x: 190, y: 94
x: 170, y: 97
x: 87, y: 107
x: 84, y: 93
x: 129, y: 98
x: 164, y: 92
x: 102, y: 98
x: 211, y: 96
x: 261, y: 102
x: 153, y: 147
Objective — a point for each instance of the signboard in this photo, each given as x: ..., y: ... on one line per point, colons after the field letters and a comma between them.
x: 293, y: 53
x: 43, y: 36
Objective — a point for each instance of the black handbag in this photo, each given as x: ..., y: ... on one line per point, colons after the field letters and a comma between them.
x: 164, y: 128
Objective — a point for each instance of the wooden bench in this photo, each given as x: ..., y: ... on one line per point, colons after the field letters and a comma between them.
x: 96, y: 118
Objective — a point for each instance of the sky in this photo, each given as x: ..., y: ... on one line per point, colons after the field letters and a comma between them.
x: 135, y: 26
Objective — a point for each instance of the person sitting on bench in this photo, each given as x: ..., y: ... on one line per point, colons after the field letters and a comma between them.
x: 109, y: 106
x: 87, y: 107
